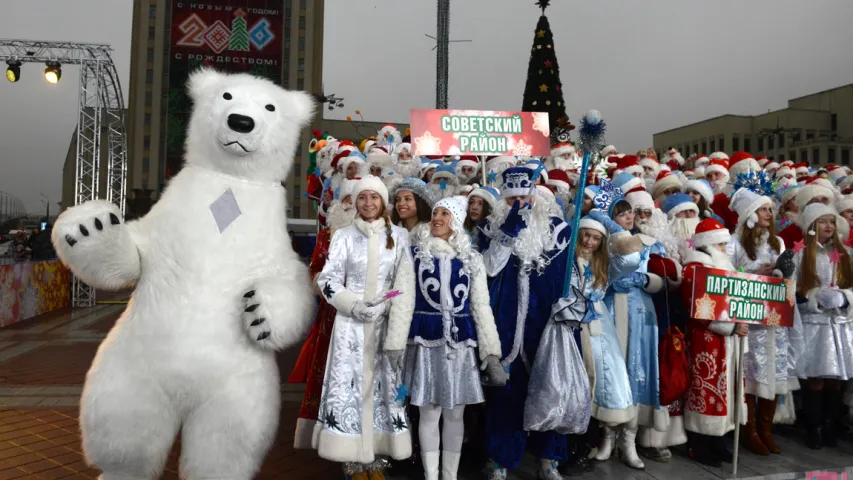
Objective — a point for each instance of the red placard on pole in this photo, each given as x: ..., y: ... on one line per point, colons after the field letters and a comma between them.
x: 479, y: 132
x: 742, y: 297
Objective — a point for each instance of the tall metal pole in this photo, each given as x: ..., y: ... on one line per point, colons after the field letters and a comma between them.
x: 442, y: 53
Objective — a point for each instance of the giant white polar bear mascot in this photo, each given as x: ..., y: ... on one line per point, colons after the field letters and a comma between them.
x: 218, y: 290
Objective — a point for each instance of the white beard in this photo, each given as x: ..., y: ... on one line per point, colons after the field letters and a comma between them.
x: 719, y: 186
x: 561, y: 163
x: 657, y: 227
x: 720, y: 259
x: 339, y: 216
x: 438, y: 193
x: 683, y: 228
x: 407, y: 169
x: 534, y: 240
x: 466, y: 178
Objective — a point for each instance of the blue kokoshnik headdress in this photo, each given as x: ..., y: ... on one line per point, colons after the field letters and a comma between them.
x: 608, y: 195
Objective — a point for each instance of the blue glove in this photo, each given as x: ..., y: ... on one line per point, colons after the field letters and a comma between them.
x: 514, y: 224
x: 632, y: 280
x: 600, y: 217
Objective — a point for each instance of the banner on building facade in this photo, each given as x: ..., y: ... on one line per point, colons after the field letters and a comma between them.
x: 742, y: 297
x: 478, y: 132
x: 229, y: 35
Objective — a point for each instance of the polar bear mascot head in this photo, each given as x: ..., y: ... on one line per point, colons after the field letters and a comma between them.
x: 244, y: 125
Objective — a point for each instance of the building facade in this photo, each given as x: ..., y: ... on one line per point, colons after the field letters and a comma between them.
x: 165, y: 30
x: 816, y: 128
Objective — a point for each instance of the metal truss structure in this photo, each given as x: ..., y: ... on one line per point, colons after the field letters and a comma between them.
x: 100, y: 109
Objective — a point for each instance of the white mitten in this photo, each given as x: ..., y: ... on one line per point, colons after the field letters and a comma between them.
x: 366, y: 314
x: 830, y: 298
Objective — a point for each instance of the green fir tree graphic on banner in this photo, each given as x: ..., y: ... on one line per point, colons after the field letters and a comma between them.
x: 239, y: 32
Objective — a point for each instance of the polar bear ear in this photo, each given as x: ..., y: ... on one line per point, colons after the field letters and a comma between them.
x: 301, y: 106
x: 202, y: 82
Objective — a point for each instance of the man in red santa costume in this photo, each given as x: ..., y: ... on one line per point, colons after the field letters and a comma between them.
x: 466, y: 169
x: 651, y: 169
x: 388, y: 136
x: 717, y: 174
x: 666, y: 184
x: 801, y: 171
x: 709, y: 407
x: 673, y: 159
x: 563, y: 157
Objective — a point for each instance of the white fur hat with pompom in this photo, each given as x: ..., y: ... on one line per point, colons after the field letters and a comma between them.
x: 746, y: 203
x: 373, y: 184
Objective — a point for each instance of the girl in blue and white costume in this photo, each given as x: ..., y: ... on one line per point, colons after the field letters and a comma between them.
x: 443, y: 323
x: 612, y: 404
x: 631, y: 306
x: 481, y: 204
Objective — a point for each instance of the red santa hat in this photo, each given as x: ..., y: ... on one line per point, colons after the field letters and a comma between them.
x: 701, y: 161
x: 562, y: 148
x: 607, y: 151
x: 346, y: 146
x: 467, y: 161
x: 640, y: 199
x: 801, y: 169
x: 762, y: 160
x: 717, y: 165
x: 742, y: 162
x: 558, y: 179
x: 782, y: 171
x: 814, y: 187
x: 710, y: 232
x: 789, y: 163
x: 836, y: 172
x: 650, y: 162
x: 665, y: 181
x: 771, y: 166
x: 629, y: 164
x: 718, y: 155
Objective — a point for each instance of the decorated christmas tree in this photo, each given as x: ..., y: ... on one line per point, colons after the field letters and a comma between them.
x: 543, y: 91
x: 239, y: 40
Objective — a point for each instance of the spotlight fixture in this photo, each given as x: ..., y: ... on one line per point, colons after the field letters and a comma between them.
x: 13, y: 70
x: 53, y: 72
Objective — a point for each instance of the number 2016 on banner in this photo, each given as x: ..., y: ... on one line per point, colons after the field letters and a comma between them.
x: 218, y: 37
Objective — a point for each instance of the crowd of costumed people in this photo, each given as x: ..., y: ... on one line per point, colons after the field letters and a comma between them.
x: 481, y: 318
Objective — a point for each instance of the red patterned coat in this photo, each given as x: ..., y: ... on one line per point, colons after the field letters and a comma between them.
x: 713, y: 351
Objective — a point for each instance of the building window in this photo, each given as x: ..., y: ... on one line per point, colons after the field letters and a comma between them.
x: 747, y: 144
x: 713, y: 144
x: 781, y: 140
x: 815, y: 156
x: 145, y: 185
x: 287, y: 44
x: 300, y: 84
x: 833, y: 123
x: 735, y: 143
x: 722, y: 144
x: 804, y: 155
x: 299, y: 150
x: 696, y: 148
x: 151, y: 33
x: 150, y: 54
x: 152, y: 12
x: 704, y: 147
x: 148, y: 98
x: 792, y: 155
x: 301, y: 66
x: 146, y: 143
x: 830, y: 155
x: 147, y: 119
x: 149, y: 76
x: 303, y: 3
x: 301, y: 43
x: 760, y: 144
x: 302, y: 22
x: 146, y: 164
x: 845, y: 156
x: 809, y: 134
x: 770, y: 143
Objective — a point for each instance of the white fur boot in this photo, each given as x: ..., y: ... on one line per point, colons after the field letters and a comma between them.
x: 608, y: 440
x: 430, y: 460
x: 449, y: 465
x: 628, y: 448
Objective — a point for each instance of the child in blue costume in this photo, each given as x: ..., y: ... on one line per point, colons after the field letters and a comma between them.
x: 526, y: 262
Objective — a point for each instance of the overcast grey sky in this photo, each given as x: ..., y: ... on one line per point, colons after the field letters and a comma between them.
x: 647, y: 66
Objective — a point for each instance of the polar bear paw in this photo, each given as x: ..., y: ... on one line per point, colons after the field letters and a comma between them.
x: 93, y: 241
x: 255, y: 321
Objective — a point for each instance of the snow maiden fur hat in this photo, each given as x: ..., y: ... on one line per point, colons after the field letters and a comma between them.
x: 489, y: 194
x: 416, y: 186
x: 457, y: 206
x: 746, y: 203
x: 372, y: 184
x: 588, y: 222
x: 816, y: 210
x: 702, y: 187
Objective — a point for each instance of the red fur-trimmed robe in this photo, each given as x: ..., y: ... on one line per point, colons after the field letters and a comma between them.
x: 310, y: 367
x: 720, y: 206
x: 713, y: 353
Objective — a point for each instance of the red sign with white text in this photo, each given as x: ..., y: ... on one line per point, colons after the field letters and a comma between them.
x: 742, y: 297
x: 480, y: 132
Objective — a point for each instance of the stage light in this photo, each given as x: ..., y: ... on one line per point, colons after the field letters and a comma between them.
x: 13, y: 71
x: 53, y: 72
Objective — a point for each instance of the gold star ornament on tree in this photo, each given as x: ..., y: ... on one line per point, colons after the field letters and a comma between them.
x: 543, y: 88
x: 540, y: 34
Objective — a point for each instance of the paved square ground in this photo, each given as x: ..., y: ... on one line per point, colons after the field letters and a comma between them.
x: 43, y: 362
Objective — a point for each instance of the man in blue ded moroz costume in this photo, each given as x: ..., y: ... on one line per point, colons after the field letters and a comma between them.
x: 526, y: 264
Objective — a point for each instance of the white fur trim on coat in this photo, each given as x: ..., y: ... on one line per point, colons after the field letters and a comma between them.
x: 488, y: 341
x: 654, y: 284
x: 402, y: 306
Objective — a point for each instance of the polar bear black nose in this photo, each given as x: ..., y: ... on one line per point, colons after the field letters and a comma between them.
x: 240, y: 123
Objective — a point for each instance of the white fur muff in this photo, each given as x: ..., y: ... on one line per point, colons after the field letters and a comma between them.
x: 217, y: 291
